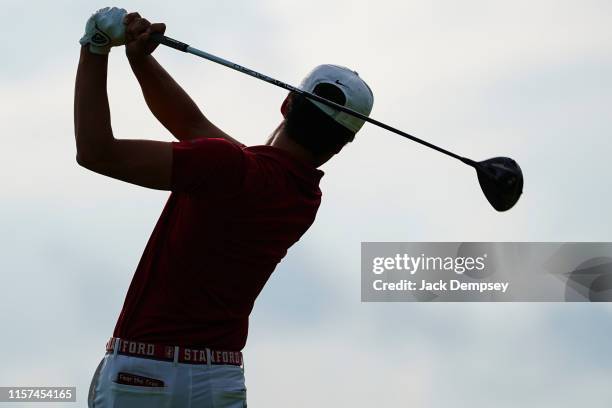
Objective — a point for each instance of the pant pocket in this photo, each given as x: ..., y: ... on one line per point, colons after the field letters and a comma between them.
x: 124, y: 395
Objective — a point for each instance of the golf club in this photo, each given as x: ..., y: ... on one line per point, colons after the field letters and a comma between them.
x: 500, y: 178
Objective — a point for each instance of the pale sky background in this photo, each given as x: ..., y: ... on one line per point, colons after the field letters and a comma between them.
x: 525, y: 79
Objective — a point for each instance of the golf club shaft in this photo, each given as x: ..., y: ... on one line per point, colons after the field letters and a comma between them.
x: 172, y: 43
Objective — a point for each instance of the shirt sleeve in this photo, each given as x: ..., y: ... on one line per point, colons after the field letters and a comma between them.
x: 215, y: 166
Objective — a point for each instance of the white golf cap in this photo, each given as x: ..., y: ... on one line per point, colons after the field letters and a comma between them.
x: 358, y: 95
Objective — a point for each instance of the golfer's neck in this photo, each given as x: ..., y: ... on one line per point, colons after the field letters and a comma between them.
x: 280, y: 140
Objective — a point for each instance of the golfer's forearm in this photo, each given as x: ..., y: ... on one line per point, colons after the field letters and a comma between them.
x: 93, y: 132
x: 170, y: 104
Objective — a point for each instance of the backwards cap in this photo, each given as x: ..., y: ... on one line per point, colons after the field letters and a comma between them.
x: 357, y: 94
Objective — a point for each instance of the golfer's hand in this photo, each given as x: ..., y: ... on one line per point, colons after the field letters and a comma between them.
x: 104, y: 29
x: 138, y: 31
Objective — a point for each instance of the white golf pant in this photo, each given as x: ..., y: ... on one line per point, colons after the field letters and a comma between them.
x: 184, y: 385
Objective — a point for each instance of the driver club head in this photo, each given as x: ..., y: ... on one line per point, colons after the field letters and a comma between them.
x: 501, y: 180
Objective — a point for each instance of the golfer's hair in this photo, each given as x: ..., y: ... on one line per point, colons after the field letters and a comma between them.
x: 312, y: 128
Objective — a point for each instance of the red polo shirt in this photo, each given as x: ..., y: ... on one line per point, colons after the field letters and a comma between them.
x: 232, y: 214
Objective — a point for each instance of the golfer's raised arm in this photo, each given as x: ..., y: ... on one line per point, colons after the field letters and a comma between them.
x: 168, y: 102
x: 146, y: 163
x: 143, y: 162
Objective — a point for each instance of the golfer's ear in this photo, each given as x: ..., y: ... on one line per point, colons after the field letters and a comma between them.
x: 285, y: 105
x: 146, y: 163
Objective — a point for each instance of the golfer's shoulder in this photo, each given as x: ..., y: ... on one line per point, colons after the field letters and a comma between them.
x: 277, y: 166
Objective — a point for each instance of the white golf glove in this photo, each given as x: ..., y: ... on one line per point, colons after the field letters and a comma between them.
x: 104, y: 29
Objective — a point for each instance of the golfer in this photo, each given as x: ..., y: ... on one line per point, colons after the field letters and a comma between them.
x: 232, y: 213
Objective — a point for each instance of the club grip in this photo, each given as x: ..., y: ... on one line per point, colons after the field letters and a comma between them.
x: 170, y: 42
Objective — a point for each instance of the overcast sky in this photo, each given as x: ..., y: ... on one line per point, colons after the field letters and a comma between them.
x: 525, y: 79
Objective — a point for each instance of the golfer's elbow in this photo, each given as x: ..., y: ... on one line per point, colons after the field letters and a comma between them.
x: 92, y: 163
x: 84, y: 155
x: 87, y: 162
x: 89, y: 157
x: 83, y: 160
